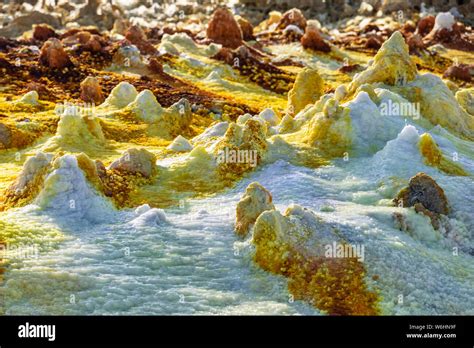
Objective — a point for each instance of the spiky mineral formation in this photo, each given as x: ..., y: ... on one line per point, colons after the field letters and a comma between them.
x: 91, y: 91
x: 53, y: 54
x: 312, y: 39
x: 254, y: 202
x: 224, y: 29
x: 308, y: 88
x: 135, y: 161
x: 392, y: 65
x: 422, y: 189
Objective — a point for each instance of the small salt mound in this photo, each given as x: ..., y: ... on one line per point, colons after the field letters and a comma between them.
x: 121, y: 95
x: 180, y: 144
x: 176, y: 43
x: 128, y: 56
x: 67, y: 193
x: 400, y: 157
x: 150, y: 218
x: 444, y: 20
x: 146, y: 107
x: 216, y: 130
x: 142, y: 209
x: 370, y: 130
x: 269, y: 116
x: 30, y: 98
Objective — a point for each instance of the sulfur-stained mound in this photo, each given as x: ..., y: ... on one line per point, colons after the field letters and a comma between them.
x: 438, y: 104
x: 295, y: 245
x: 30, y: 98
x: 254, y: 202
x: 180, y: 144
x: 426, y: 196
x: 241, y: 148
x: 465, y: 98
x: 28, y: 183
x: 77, y: 129
x: 308, y: 88
x: 330, y: 131
x: 224, y: 29
x: 435, y: 158
x: 136, y: 161
x: 121, y: 95
x: 392, y: 65
x: 146, y: 107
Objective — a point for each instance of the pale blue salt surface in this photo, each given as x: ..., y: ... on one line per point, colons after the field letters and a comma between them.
x: 193, y: 263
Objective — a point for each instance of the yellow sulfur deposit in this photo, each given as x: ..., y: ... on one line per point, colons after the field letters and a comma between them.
x: 308, y: 88
x: 434, y: 157
x: 288, y: 244
x: 392, y: 65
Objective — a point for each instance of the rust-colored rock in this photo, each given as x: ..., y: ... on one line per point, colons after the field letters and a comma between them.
x: 137, y: 36
x: 459, y: 71
x: 425, y: 25
x: 224, y: 29
x: 422, y: 189
x: 415, y: 42
x: 43, y: 32
x: 294, y: 17
x: 91, y: 91
x: 373, y: 42
x: 455, y: 38
x: 155, y: 66
x: 87, y: 40
x: 42, y: 90
x: 53, y: 54
x: 312, y: 39
x: 246, y: 28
